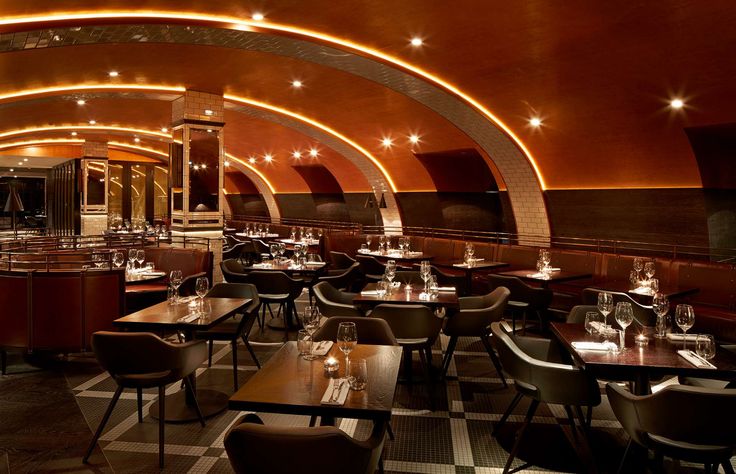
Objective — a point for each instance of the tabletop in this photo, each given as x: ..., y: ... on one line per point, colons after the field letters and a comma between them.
x: 553, y: 277
x: 399, y: 296
x: 657, y: 358
x: 310, y: 243
x: 138, y: 278
x: 256, y: 236
x: 167, y: 316
x: 286, y: 267
x: 291, y: 385
x: 398, y: 255
x: 477, y: 265
x: 670, y: 291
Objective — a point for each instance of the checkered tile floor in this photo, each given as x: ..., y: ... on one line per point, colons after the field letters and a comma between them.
x: 455, y: 438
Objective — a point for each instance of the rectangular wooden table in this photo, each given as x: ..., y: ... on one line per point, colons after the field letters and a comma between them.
x: 166, y: 317
x: 670, y: 291
x: 637, y: 364
x: 291, y: 385
x: 482, y: 266
x: 408, y: 257
x: 446, y: 299
x: 554, y: 277
x: 286, y: 267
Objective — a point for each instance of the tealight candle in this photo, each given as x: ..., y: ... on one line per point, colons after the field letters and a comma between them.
x: 641, y: 340
x: 407, y: 291
x: 332, y: 365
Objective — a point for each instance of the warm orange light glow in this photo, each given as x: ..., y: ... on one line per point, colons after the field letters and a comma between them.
x: 85, y: 87
x: 139, y: 148
x: 61, y: 141
x: 103, y: 128
x: 253, y: 169
x: 246, y: 25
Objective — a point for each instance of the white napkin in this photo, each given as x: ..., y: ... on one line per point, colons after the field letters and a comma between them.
x: 322, y: 348
x: 369, y: 292
x: 598, y: 326
x: 154, y: 273
x: 189, y: 318
x: 327, y: 398
x: 461, y: 265
x: 592, y: 346
x: 641, y: 291
x: 538, y: 275
x: 677, y: 336
x: 315, y: 264
x: 261, y: 265
x: 696, y: 360
x: 446, y: 288
x: 364, y: 251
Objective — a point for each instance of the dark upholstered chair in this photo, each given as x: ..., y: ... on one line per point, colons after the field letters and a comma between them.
x: 689, y: 423
x: 459, y: 281
x: 346, y: 279
x: 333, y: 302
x: 577, y: 314
x: 370, y: 330
x: 260, y: 248
x: 233, y: 272
x: 474, y: 320
x: 339, y: 262
x: 534, y: 365
x: 411, y: 277
x: 416, y: 328
x: 255, y: 448
x: 371, y: 268
x: 143, y: 360
x: 279, y: 288
x: 643, y: 315
x: 233, y: 252
x: 188, y: 283
x: 524, y: 299
x: 237, y: 327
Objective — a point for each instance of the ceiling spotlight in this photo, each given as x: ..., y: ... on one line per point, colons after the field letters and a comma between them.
x: 226, y: 163
x: 164, y: 129
x: 208, y: 112
x: 296, y: 84
x: 209, y: 130
x: 267, y: 157
x: 113, y: 74
x: 196, y: 167
x: 137, y: 140
x: 313, y: 153
x: 81, y: 102
x: 74, y: 134
x: 20, y: 163
x: 92, y: 122
x: 252, y: 160
x: 535, y: 122
x: 25, y: 159
x: 416, y: 41
x: 677, y: 103
x: 387, y: 142
x: 203, y: 166
x: 297, y: 154
x: 414, y: 139
x: 258, y: 16
x: 11, y: 170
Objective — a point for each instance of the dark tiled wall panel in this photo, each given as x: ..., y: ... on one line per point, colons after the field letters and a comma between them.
x: 469, y: 211
x: 358, y: 210
x: 247, y: 204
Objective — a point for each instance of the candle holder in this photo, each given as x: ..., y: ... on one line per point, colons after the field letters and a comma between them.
x: 331, y: 365
x: 641, y: 340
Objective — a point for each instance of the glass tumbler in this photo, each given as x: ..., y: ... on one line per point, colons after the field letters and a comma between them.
x: 357, y: 374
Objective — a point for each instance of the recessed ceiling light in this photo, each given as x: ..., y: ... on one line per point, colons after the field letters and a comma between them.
x: 20, y: 163
x: 203, y: 165
x: 137, y: 140
x: 296, y: 83
x: 416, y: 41
x: 11, y: 170
x: 113, y: 74
x: 297, y: 154
x: 81, y: 102
x: 258, y: 16
x: 535, y: 121
x: 313, y: 153
x: 677, y: 103
x: 164, y: 129
x: 208, y: 112
x: 25, y: 159
x: 209, y: 130
x: 92, y: 122
x: 267, y: 157
x: 414, y: 139
x: 227, y: 163
x: 74, y: 134
x: 252, y: 160
x: 387, y: 142
x: 196, y: 167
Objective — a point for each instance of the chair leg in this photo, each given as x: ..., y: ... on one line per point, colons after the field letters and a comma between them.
x: 506, y: 414
x: 448, y: 354
x: 189, y: 386
x: 407, y: 365
x: 494, y: 359
x: 104, y: 421
x: 390, y: 431
x: 380, y: 464
x: 250, y: 349
x: 234, y: 344
x: 623, y: 458
x: 161, y: 421
x: 523, y: 323
x: 520, y: 434
x: 209, y: 360
x: 139, y: 393
x: 427, y: 377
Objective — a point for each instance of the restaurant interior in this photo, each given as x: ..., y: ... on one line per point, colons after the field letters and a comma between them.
x: 402, y: 237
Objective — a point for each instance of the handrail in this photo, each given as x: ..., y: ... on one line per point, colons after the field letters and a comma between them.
x: 109, y: 241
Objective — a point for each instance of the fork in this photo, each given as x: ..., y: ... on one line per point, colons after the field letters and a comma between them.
x: 336, y: 387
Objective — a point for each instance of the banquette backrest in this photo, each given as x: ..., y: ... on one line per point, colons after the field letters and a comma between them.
x: 188, y: 260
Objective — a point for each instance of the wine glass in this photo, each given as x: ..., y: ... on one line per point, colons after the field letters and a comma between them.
x: 390, y: 273
x: 347, y: 338
x: 605, y: 304
x: 201, y: 286
x: 624, y: 315
x: 274, y: 248
x: 310, y: 321
x: 175, y: 279
x: 685, y: 318
x: 140, y: 257
x: 132, y: 254
x: 117, y: 259
x: 381, y: 241
x: 368, y: 239
x: 425, y: 270
x: 660, y: 305
x: 649, y: 270
x: 638, y: 264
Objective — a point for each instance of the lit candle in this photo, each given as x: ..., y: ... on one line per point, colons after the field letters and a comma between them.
x: 641, y: 340
x: 331, y: 365
x: 407, y: 291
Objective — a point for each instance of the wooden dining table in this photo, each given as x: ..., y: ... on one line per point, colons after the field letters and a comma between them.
x: 553, y: 277
x: 672, y: 292
x: 640, y: 364
x: 165, y: 317
x: 399, y: 256
x: 444, y: 299
x: 289, y: 384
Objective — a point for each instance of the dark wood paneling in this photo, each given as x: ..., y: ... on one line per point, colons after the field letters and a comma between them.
x: 247, y: 204
x: 673, y: 216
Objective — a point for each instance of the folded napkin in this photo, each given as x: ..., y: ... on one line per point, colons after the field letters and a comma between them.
x: 154, y: 273
x: 261, y: 265
x: 695, y: 359
x: 598, y: 326
x: 414, y: 254
x: 315, y: 264
x: 641, y: 290
x: 538, y: 275
x: 187, y: 299
x: 593, y: 346
x: 322, y: 348
x: 446, y: 288
x: 461, y: 265
x: 364, y: 251
x: 369, y: 292
x: 676, y: 336
x: 189, y: 318
x: 553, y: 269
x: 340, y: 392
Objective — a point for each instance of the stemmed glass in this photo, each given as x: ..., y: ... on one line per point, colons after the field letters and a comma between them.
x: 347, y: 338
x: 605, y: 305
x: 282, y: 249
x: 132, y: 255
x: 638, y: 264
x: 117, y: 259
x: 201, y: 286
x: 685, y: 318
x: 274, y: 248
x: 175, y: 279
x: 381, y: 241
x: 425, y: 270
x: 390, y: 273
x: 660, y: 305
x: 649, y: 270
x: 310, y: 321
x: 368, y: 239
x: 140, y: 257
x: 624, y: 315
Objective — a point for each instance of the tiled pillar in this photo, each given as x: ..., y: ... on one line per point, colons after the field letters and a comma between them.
x: 94, y: 168
x: 196, y: 169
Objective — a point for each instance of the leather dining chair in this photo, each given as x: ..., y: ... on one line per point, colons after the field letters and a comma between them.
x: 332, y: 302
x: 253, y: 447
x: 416, y: 328
x: 534, y: 364
x: 233, y: 252
x: 237, y: 327
x: 348, y: 279
x: 260, y: 249
x: 232, y: 271
x: 143, y: 360
x: 370, y: 330
x: 474, y: 319
x: 371, y: 267
x: 692, y: 424
x: 339, y: 262
x: 643, y: 315
x: 410, y: 277
x: 577, y: 314
x: 276, y: 288
x: 524, y: 299
x: 188, y: 283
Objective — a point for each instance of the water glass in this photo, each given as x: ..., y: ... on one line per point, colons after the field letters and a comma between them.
x: 357, y: 372
x: 434, y: 290
x: 303, y: 342
x: 381, y: 288
x: 705, y: 346
x: 593, y: 322
x: 617, y: 337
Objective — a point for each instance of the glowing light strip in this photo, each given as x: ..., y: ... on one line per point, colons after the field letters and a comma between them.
x: 253, y: 169
x: 139, y: 148
x: 246, y: 25
x: 85, y: 87
x: 55, y: 128
x: 75, y: 141
x: 319, y: 125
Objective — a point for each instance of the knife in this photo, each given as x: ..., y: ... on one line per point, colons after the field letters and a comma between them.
x: 701, y: 359
x: 336, y: 392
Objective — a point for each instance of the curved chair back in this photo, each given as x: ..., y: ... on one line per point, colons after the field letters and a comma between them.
x: 233, y: 252
x: 409, y: 321
x: 340, y: 260
x: 537, y: 298
x: 276, y: 283
x: 370, y: 330
x: 577, y: 314
x: 232, y: 241
x: 409, y: 276
x: 683, y: 414
x: 446, y: 279
x: 332, y: 302
x: 643, y: 315
x: 346, y: 279
x: 477, y: 313
x: 260, y: 247
x: 237, y: 290
x: 545, y: 381
x: 233, y: 272
x: 370, y: 266
x: 188, y: 284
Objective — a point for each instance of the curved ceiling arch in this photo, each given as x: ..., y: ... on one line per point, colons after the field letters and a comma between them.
x: 517, y: 166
